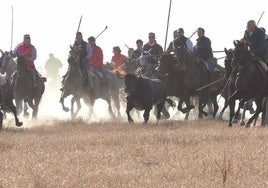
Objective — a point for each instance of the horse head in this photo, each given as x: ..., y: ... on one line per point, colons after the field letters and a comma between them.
x: 74, y: 55
x: 21, y: 62
x: 228, y: 61
x: 241, y: 54
x: 183, y: 55
x: 131, y: 83
x: 7, y: 63
x: 167, y: 62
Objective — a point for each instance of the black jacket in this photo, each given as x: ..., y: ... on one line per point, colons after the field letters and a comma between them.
x: 256, y: 42
x: 202, y: 48
x: 180, y: 41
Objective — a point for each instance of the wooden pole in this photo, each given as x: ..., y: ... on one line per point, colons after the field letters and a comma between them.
x: 167, y: 25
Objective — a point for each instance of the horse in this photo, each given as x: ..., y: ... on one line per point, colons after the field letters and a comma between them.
x: 76, y: 83
x: 143, y: 93
x: 8, y: 65
x: 197, y: 80
x: 24, y: 87
x: 6, y: 101
x: 231, y: 75
x: 251, y: 82
x: 173, y: 77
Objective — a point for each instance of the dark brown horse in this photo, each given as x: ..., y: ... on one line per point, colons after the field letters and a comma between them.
x: 76, y: 84
x: 24, y: 87
x: 196, y: 76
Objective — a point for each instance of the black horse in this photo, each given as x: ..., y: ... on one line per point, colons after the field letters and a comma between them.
x: 143, y: 93
x: 251, y: 82
x: 6, y: 101
x: 24, y: 87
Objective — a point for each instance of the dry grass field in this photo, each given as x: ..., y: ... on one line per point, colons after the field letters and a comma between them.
x: 169, y: 154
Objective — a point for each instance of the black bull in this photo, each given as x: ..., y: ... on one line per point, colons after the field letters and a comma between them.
x: 143, y: 93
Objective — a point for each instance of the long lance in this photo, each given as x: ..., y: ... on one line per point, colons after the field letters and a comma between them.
x: 11, y: 41
x: 78, y: 28
x: 206, y: 86
x: 193, y: 34
x: 260, y: 18
x: 102, y: 32
x: 79, y: 24
x: 167, y: 24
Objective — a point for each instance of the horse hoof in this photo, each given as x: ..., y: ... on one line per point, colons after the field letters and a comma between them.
x: 19, y: 124
x: 130, y: 120
x: 247, y: 125
x: 66, y: 109
x: 242, y: 123
x: 235, y: 120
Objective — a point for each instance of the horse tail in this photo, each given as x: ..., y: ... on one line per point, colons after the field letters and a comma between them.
x: 170, y: 102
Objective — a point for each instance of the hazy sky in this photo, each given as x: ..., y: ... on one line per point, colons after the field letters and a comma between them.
x: 52, y: 24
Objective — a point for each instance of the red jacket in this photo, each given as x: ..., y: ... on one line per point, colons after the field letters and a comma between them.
x: 96, y: 59
x: 118, y: 60
x: 29, y: 52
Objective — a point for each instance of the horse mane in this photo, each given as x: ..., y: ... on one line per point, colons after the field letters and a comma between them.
x: 188, y: 57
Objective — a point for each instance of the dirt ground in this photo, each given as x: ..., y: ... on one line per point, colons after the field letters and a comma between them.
x: 69, y: 153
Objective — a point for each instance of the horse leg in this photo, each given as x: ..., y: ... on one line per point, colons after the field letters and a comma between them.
x: 1, y: 120
x: 265, y: 112
x: 18, y: 103
x: 78, y: 105
x: 146, y: 114
x: 25, y: 108
x: 215, y: 106
x: 231, y: 107
x: 14, y: 111
x: 165, y: 112
x: 108, y: 99
x: 242, y: 121
x: 63, y: 96
x: 159, y: 109
x: 223, y: 109
x: 31, y: 104
x: 237, y: 114
x: 201, y: 106
x: 115, y: 98
x: 129, y: 108
x: 256, y: 114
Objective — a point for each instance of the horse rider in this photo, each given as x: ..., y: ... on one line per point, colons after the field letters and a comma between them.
x: 137, y: 53
x: 27, y: 49
x: 202, y: 50
x: 154, y: 50
x: 118, y: 60
x: 181, y: 40
x: 171, y: 47
x: 255, y: 39
x: 96, y: 59
x: 52, y: 66
x: 265, y: 35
